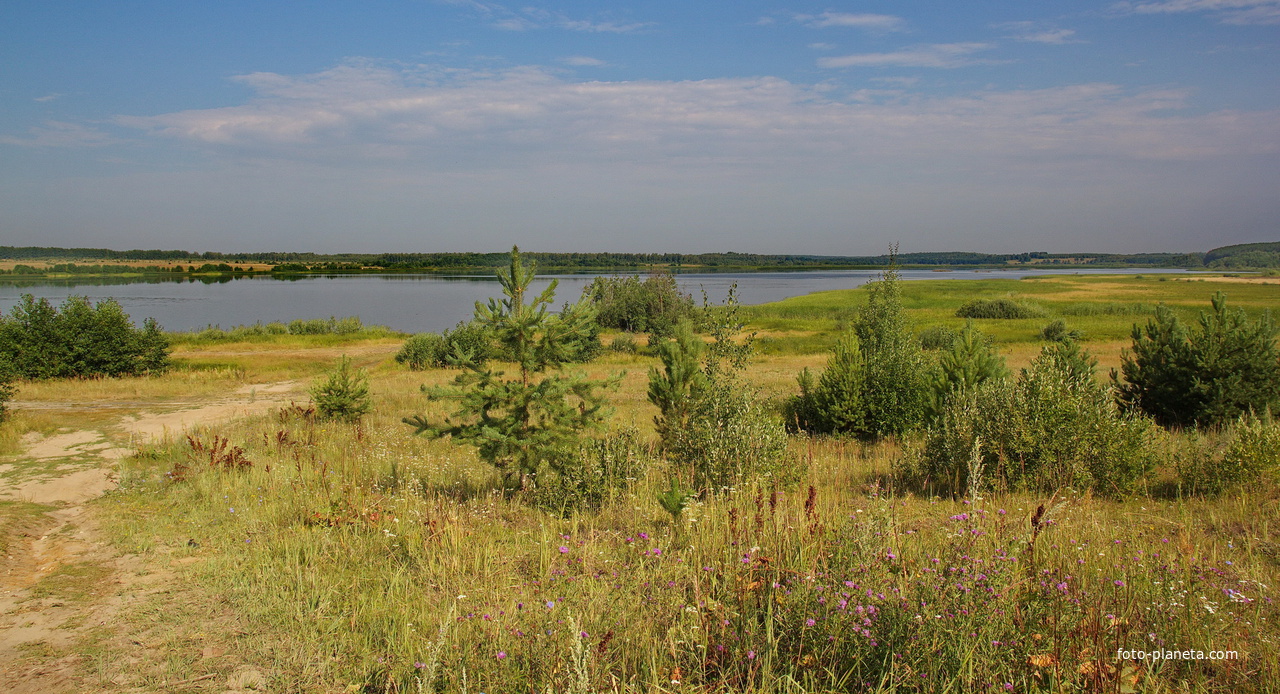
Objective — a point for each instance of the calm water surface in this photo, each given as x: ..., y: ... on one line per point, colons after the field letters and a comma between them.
x: 420, y: 303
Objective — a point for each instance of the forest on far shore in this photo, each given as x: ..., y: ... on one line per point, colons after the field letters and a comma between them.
x: 46, y: 260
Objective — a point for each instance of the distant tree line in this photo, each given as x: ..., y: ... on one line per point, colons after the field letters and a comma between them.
x: 355, y: 262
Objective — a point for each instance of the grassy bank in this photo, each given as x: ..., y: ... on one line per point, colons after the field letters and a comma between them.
x: 1104, y: 308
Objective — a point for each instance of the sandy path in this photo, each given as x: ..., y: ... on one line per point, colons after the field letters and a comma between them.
x: 38, y: 626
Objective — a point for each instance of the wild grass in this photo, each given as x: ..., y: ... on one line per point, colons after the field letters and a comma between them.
x: 1104, y: 308
x: 357, y: 557
x: 368, y: 558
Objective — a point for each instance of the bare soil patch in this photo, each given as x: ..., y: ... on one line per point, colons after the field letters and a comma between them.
x: 62, y: 587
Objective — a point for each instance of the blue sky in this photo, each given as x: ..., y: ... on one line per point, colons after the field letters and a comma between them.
x: 774, y: 127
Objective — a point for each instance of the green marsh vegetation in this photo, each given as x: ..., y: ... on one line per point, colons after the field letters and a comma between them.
x: 358, y: 555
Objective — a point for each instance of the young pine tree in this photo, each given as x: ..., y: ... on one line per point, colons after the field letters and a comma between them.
x: 344, y: 394
x: 534, y: 419
x: 1227, y: 367
x: 676, y: 389
x: 833, y: 404
x: 964, y: 366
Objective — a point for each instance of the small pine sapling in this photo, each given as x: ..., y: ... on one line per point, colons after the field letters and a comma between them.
x: 344, y: 394
x: 535, y: 420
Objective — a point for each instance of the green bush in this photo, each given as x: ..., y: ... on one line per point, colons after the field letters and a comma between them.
x: 937, y: 337
x: 79, y: 339
x: 713, y: 427
x: 7, y: 388
x: 600, y: 469
x: 344, y: 394
x: 732, y: 439
x: 423, y: 351
x: 1005, y: 309
x: 1047, y: 430
x: 1057, y: 331
x: 1078, y: 365
x: 895, y: 391
x: 525, y: 424
x: 875, y: 383
x: 1240, y: 454
x: 834, y: 403
x: 326, y: 326
x: 1229, y: 365
x: 653, y: 306
x: 582, y: 345
x: 465, y: 341
x: 625, y: 343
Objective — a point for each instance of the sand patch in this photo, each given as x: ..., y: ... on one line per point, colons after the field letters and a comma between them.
x: 74, y: 488
x: 159, y: 426
x: 62, y: 445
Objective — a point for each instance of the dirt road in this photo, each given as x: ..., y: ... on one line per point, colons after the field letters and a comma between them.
x: 61, y: 584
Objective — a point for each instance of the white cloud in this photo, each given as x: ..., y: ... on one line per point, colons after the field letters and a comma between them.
x: 582, y: 61
x: 880, y: 22
x: 602, y: 27
x: 1229, y: 11
x: 939, y: 55
x: 446, y: 120
x: 1035, y: 32
x: 899, y: 81
x: 46, y: 98
x: 60, y: 134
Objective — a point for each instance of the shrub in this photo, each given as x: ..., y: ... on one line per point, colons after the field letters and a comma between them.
x: 1241, y: 454
x: 1226, y: 367
x: 598, y: 470
x: 833, y: 404
x: 79, y: 339
x: 895, y: 389
x: 471, y: 341
x: 465, y: 341
x: 1057, y: 332
x: 937, y: 337
x: 732, y: 439
x: 344, y: 394
x: 422, y: 351
x: 876, y: 382
x: 1046, y: 430
x: 1004, y: 309
x: 326, y: 326
x: 712, y: 426
x: 583, y: 345
x: 1078, y: 365
x: 7, y: 389
x: 653, y: 306
x: 625, y: 343
x: 676, y: 389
